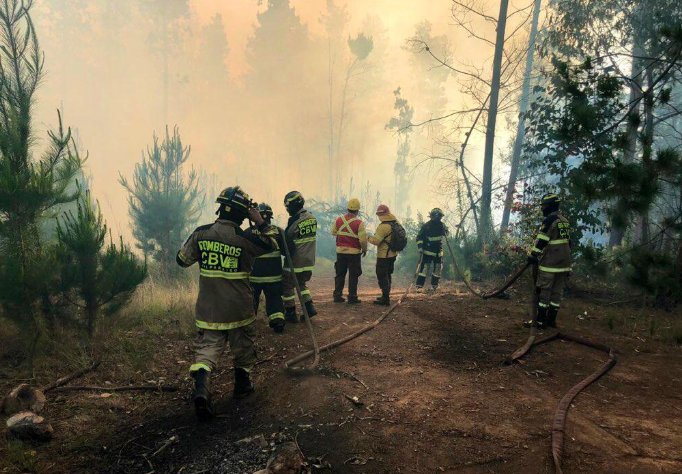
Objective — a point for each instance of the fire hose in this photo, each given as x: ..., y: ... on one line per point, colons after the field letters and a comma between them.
x: 559, y: 421
x: 350, y: 337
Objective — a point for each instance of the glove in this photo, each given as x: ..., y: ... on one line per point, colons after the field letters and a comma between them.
x: 533, y: 259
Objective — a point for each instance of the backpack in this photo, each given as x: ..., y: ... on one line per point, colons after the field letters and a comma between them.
x: 398, y: 237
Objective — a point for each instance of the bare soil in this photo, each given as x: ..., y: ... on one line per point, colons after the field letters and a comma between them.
x: 434, y: 394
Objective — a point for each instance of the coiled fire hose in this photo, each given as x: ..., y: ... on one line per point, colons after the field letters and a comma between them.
x: 350, y: 337
x: 559, y: 421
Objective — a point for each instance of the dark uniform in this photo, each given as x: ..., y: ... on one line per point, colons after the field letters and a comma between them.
x: 302, y: 231
x: 430, y: 244
x: 552, y: 253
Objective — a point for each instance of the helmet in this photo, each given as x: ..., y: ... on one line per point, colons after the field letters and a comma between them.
x: 235, y: 200
x: 436, y: 213
x: 382, y: 210
x: 293, y: 201
x: 265, y: 211
x: 550, y: 199
x: 354, y: 204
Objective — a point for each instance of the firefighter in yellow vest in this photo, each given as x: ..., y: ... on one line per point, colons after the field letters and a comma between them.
x: 302, y: 230
x: 351, y: 243
x: 224, y: 308
x: 552, y: 254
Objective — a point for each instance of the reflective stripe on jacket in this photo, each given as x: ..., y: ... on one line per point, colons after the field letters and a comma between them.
x: 302, y: 231
x: 351, y: 236
x: 553, y: 244
x: 268, y: 267
x: 430, y: 238
x: 225, y: 255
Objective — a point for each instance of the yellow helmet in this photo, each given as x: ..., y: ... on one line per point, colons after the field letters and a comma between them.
x: 354, y: 204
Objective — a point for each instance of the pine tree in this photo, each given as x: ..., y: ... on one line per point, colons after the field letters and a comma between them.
x: 400, y: 123
x: 30, y: 188
x: 165, y: 202
x: 101, y: 277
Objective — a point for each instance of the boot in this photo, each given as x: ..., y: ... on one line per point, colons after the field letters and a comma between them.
x: 384, y: 299
x: 310, y: 308
x: 541, y: 319
x: 277, y: 325
x: 551, y: 316
x: 339, y: 299
x: 201, y: 397
x: 242, y: 383
x: 353, y: 300
x: 290, y: 315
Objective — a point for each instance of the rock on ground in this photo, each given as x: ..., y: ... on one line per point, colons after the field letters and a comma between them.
x: 23, y: 398
x: 29, y: 426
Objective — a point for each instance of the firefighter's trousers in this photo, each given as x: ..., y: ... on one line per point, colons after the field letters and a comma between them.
x: 430, y: 264
x: 274, y: 306
x: 210, y: 344
x: 289, y: 290
x: 551, y: 288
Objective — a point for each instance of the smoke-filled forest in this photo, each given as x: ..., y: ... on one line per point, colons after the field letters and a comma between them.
x: 300, y: 236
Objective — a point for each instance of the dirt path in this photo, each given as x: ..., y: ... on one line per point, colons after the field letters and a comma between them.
x: 435, y: 396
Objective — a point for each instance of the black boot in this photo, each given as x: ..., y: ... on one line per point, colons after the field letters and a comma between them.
x: 541, y: 320
x: 310, y: 308
x: 339, y: 299
x: 242, y: 383
x: 353, y: 300
x: 384, y: 299
x: 290, y: 315
x: 277, y: 325
x: 201, y: 397
x: 551, y: 316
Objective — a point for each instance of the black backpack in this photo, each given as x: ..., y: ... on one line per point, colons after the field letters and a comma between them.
x: 398, y: 237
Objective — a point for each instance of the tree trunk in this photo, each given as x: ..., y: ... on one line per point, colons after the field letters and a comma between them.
x: 486, y: 195
x: 521, y: 128
x: 633, y: 122
x: 647, y: 148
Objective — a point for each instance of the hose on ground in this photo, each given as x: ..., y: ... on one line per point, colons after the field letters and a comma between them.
x: 352, y: 336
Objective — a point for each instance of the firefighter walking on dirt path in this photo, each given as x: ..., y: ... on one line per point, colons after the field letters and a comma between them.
x: 351, y: 243
x: 552, y: 254
x: 383, y: 238
x: 224, y: 308
x: 302, y: 231
x: 430, y: 245
x: 266, y: 276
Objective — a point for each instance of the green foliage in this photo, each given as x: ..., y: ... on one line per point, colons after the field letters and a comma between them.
x: 165, y: 203
x: 99, y: 277
x: 30, y: 188
x: 361, y: 46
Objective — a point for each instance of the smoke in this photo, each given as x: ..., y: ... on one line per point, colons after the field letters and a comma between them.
x: 249, y: 84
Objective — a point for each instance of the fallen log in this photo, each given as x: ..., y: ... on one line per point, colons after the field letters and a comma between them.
x: 125, y: 388
x: 68, y: 378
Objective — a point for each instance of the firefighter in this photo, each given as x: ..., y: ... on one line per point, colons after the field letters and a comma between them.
x: 266, y: 277
x: 224, y: 308
x: 552, y: 254
x: 385, y: 256
x: 351, y: 243
x: 302, y: 231
x: 430, y: 245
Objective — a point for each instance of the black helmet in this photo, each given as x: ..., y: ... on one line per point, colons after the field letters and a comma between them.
x: 265, y: 211
x: 550, y: 199
x: 436, y: 213
x: 234, y: 201
x: 294, y: 202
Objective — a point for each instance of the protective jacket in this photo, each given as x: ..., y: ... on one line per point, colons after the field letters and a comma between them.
x: 430, y: 238
x: 350, y: 233
x: 382, y: 237
x: 268, y: 267
x: 553, y: 244
x: 225, y: 255
x: 302, y: 230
